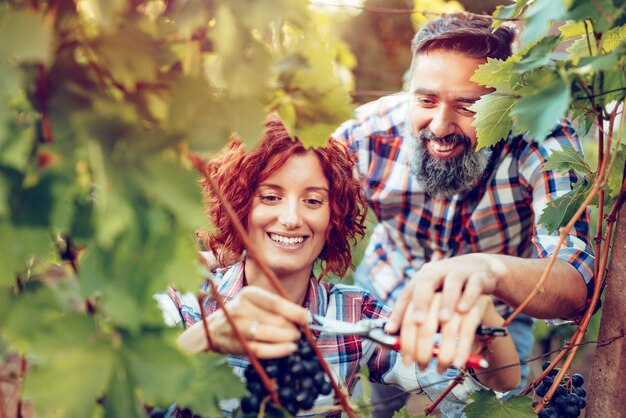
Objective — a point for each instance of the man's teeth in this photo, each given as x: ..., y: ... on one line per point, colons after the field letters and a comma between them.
x: 441, y: 147
x: 286, y: 240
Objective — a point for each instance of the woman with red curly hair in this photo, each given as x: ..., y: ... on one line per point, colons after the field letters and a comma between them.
x: 299, y: 206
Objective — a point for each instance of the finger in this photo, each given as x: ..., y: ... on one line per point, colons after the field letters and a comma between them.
x: 448, y: 344
x: 450, y: 294
x: 400, y: 309
x: 467, y: 333
x: 422, y: 294
x: 407, y: 337
x: 272, y: 334
x: 473, y: 290
x: 426, y: 333
x: 271, y: 351
x: 275, y: 304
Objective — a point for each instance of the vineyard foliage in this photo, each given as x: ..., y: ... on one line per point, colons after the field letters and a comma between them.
x: 100, y: 101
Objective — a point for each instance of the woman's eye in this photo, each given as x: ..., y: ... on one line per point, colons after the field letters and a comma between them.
x: 269, y: 198
x: 314, y: 202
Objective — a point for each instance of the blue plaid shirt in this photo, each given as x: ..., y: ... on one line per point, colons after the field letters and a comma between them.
x: 498, y: 216
x: 345, y: 355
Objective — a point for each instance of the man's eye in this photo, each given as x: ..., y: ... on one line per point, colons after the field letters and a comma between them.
x: 466, y: 111
x: 425, y: 101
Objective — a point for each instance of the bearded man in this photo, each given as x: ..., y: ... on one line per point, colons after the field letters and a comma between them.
x: 452, y: 219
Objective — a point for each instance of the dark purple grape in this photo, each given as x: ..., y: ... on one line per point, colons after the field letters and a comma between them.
x: 572, y: 398
x: 547, y: 381
x: 286, y: 394
x: 582, y: 403
x: 578, y: 380
x: 250, y: 404
x: 296, y: 369
x: 580, y: 391
x: 545, y: 365
x: 319, y: 378
x: 572, y: 411
x: 559, y: 402
x: 542, y: 389
x: 291, y: 407
x: 326, y: 388
x: 307, y: 352
x: 560, y: 391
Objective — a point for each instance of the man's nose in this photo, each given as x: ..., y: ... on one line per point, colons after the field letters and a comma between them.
x: 442, y: 123
x: 290, y: 214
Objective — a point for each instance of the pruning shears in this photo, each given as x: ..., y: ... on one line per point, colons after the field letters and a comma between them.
x: 374, y: 330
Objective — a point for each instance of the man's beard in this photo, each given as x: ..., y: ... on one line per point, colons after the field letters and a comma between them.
x: 445, y: 177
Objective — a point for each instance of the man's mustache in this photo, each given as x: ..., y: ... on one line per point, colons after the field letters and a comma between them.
x: 427, y: 134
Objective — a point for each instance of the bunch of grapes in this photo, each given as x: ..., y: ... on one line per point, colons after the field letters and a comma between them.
x: 299, y: 377
x: 569, y: 397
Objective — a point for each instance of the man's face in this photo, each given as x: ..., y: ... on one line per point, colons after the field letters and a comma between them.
x: 443, y: 138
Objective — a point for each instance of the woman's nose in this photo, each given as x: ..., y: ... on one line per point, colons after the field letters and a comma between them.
x: 290, y: 215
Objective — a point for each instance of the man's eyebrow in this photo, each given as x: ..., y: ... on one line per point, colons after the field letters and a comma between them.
x: 470, y: 100
x: 426, y: 92
x: 462, y: 99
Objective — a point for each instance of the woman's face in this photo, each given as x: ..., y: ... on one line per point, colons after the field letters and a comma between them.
x: 290, y: 214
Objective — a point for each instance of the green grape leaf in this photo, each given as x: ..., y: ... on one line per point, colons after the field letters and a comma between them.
x: 492, y: 121
x: 130, y: 56
x: 539, y: 14
x: 152, y: 358
x: 616, y: 176
x: 537, y: 55
x: 597, y: 11
x: 572, y: 29
x: 559, y: 211
x: 580, y: 48
x: 4, y: 196
x: 496, y: 74
x: 18, y: 244
x: 511, y: 11
x: 404, y: 413
x: 34, y: 34
x: 170, y: 184
x: 189, y: 15
x: 613, y: 38
x: 59, y: 344
x: 568, y: 158
x: 600, y: 62
x: 316, y: 135
x: 105, y: 12
x: 112, y: 213
x: 485, y: 404
x: 215, y: 377
x: 85, y: 374
x: 120, y: 400
x: 538, y: 112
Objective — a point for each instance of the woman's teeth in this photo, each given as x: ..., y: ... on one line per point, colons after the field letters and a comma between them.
x: 285, y: 240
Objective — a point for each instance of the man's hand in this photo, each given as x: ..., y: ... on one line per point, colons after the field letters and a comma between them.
x: 267, y: 322
x: 461, y: 280
x: 457, y: 334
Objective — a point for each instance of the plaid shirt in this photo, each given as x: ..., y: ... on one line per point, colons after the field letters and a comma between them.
x: 346, y: 355
x: 498, y: 216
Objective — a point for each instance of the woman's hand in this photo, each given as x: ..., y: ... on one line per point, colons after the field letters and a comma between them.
x: 267, y: 322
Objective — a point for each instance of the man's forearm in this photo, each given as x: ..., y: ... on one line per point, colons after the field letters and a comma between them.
x: 563, y: 294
